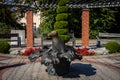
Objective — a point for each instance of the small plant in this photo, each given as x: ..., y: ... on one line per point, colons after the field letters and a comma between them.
x: 85, y: 52
x: 113, y: 47
x: 4, y: 47
x: 27, y: 51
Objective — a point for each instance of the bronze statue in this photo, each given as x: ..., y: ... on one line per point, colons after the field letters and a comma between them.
x: 58, y: 57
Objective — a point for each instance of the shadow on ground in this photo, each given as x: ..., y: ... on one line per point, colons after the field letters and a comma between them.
x: 4, y: 58
x: 11, y: 66
x: 77, y: 69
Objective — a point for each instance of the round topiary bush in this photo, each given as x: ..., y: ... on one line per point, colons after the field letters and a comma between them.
x: 62, y: 2
x: 113, y: 47
x: 60, y: 25
x: 62, y: 31
x: 63, y: 16
x: 64, y: 38
x: 4, y: 47
x: 62, y: 9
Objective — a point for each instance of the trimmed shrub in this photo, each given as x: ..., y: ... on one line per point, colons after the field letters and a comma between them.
x: 113, y: 47
x: 4, y: 47
x: 64, y: 38
x: 62, y: 31
x: 60, y: 24
x: 62, y: 2
x: 62, y: 16
x: 62, y: 9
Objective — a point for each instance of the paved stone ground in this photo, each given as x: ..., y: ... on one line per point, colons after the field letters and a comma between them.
x: 102, y: 67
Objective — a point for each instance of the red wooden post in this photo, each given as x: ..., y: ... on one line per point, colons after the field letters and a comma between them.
x: 85, y: 27
x: 29, y: 28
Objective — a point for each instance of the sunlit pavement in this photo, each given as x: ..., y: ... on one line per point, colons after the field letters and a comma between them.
x: 102, y: 67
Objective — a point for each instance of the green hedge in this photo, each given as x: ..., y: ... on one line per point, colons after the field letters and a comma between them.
x: 113, y: 47
x: 60, y: 24
x: 62, y: 16
x: 62, y: 9
x: 62, y: 31
x: 4, y: 47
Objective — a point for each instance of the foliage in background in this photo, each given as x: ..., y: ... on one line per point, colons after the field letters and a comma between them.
x: 4, y: 29
x: 61, y: 24
x: 4, y: 47
x: 9, y: 16
x: 47, y: 21
x: 74, y: 18
x: 102, y: 20
x: 75, y: 21
x: 113, y: 47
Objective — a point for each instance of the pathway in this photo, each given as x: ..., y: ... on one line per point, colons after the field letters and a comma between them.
x: 103, y: 67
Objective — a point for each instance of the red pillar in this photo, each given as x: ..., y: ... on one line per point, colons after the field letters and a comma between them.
x: 85, y: 27
x: 29, y: 28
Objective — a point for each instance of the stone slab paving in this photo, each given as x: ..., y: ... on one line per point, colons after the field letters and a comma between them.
x: 103, y: 67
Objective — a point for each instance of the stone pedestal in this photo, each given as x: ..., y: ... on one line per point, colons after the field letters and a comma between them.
x: 85, y: 27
